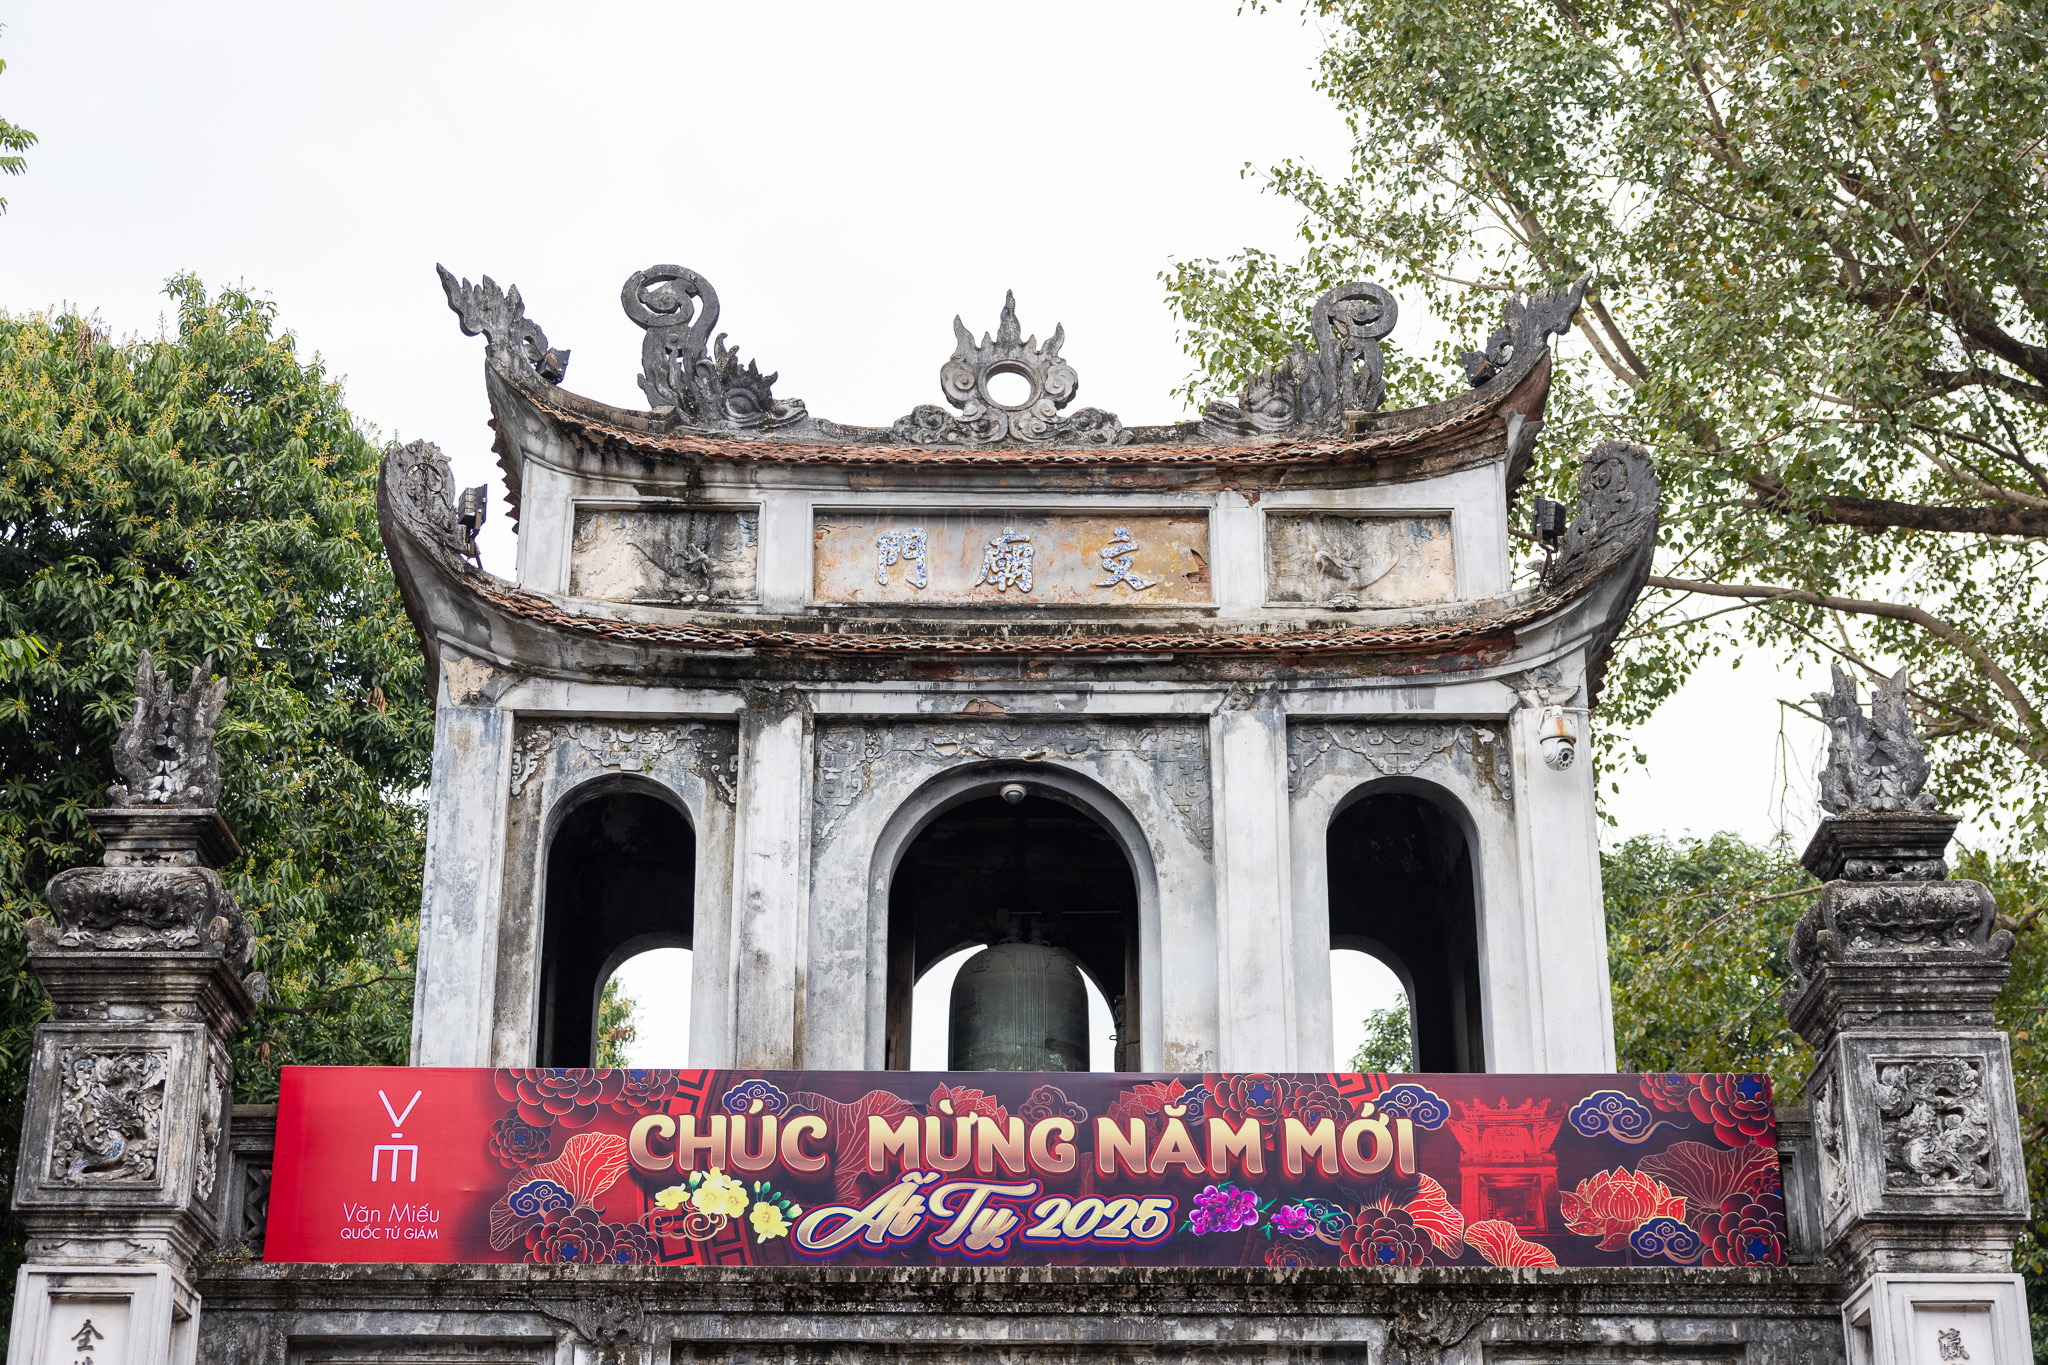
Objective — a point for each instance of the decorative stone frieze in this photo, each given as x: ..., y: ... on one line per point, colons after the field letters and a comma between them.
x: 1399, y: 748
x: 708, y: 751
x: 850, y: 756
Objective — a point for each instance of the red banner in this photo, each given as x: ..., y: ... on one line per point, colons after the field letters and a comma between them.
x: 1071, y: 1168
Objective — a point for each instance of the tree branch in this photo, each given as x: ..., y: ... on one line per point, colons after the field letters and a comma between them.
x: 1886, y: 514
x: 1946, y: 631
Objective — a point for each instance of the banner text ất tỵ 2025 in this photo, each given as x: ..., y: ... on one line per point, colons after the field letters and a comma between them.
x: 1070, y: 1168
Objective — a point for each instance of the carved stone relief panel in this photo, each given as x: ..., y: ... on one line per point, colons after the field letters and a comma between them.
x: 709, y: 751
x: 1397, y: 748
x: 1936, y: 1125
x: 212, y: 1110
x: 110, y: 1111
x: 665, y: 556
x: 1827, y: 1138
x: 1001, y: 558
x: 851, y: 758
x: 1351, y: 560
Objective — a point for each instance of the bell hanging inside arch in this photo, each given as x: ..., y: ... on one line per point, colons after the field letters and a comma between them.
x: 1019, y: 1007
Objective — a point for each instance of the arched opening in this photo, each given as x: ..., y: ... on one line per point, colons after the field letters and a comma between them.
x: 622, y: 870
x: 643, y: 1011
x: 1401, y: 890
x: 1033, y: 870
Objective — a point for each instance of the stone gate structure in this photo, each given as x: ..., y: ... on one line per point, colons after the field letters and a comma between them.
x: 1195, y: 704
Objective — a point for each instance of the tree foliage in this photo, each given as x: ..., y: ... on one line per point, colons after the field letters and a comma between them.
x: 208, y: 496
x: 1817, y: 232
x: 1389, y: 1042
x: 617, y: 1025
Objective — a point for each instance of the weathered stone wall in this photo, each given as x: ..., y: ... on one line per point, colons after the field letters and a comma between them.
x: 296, y: 1315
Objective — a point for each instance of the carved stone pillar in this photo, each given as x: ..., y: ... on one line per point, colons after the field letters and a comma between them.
x: 1922, y: 1177
x: 125, y: 1132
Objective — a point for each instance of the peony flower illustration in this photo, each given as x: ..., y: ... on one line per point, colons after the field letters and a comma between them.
x: 549, y: 1096
x: 719, y: 1196
x: 1670, y: 1091
x: 1747, y: 1231
x: 1738, y: 1106
x: 1613, y: 1204
x: 518, y: 1144
x: 581, y: 1237
x: 1292, y: 1220
x: 1385, y: 1237
x: 644, y: 1089
x: 768, y: 1221
x: 672, y: 1198
x: 1253, y: 1095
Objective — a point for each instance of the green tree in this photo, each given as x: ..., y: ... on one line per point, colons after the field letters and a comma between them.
x: 1697, y: 933
x: 616, y: 1025
x: 1817, y: 232
x: 208, y: 496
x: 14, y: 140
x: 1389, y: 1042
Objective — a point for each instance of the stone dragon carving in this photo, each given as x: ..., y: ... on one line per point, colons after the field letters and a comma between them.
x: 678, y: 308
x: 982, y: 419
x: 499, y: 315
x: 1874, y: 763
x: 165, y: 754
x: 1347, y: 372
x: 153, y: 894
x: 109, y: 1115
x: 1936, y: 1125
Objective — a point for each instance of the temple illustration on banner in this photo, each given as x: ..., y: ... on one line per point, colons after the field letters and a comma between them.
x: 1141, y: 720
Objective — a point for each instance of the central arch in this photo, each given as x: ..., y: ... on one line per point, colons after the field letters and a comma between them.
x: 958, y: 867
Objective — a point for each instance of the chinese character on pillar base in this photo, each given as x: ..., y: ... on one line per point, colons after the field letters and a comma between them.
x: 126, y: 1122
x: 1922, y: 1176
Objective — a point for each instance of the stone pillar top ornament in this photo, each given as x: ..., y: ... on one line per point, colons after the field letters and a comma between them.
x: 1881, y: 825
x: 162, y: 839
x: 1919, y: 1158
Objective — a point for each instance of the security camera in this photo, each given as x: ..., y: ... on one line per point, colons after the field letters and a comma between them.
x: 1012, y: 792
x: 1560, y: 741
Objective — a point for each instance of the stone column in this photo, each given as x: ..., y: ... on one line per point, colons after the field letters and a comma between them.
x: 1923, y: 1183
x: 771, y: 883
x: 463, y: 900
x: 1570, y: 1023
x: 125, y: 1131
x: 1254, y: 918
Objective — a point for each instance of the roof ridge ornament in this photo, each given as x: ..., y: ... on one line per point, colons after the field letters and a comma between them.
x: 500, y: 315
x: 678, y: 308
x: 982, y: 419
x: 1347, y: 372
x: 1526, y: 321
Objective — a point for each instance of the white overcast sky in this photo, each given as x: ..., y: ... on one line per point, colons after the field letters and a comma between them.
x: 848, y: 177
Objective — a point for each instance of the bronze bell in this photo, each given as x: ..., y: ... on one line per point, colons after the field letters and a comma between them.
x: 1019, y: 1007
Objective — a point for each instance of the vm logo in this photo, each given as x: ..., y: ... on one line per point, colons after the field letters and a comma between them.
x: 410, y: 1149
